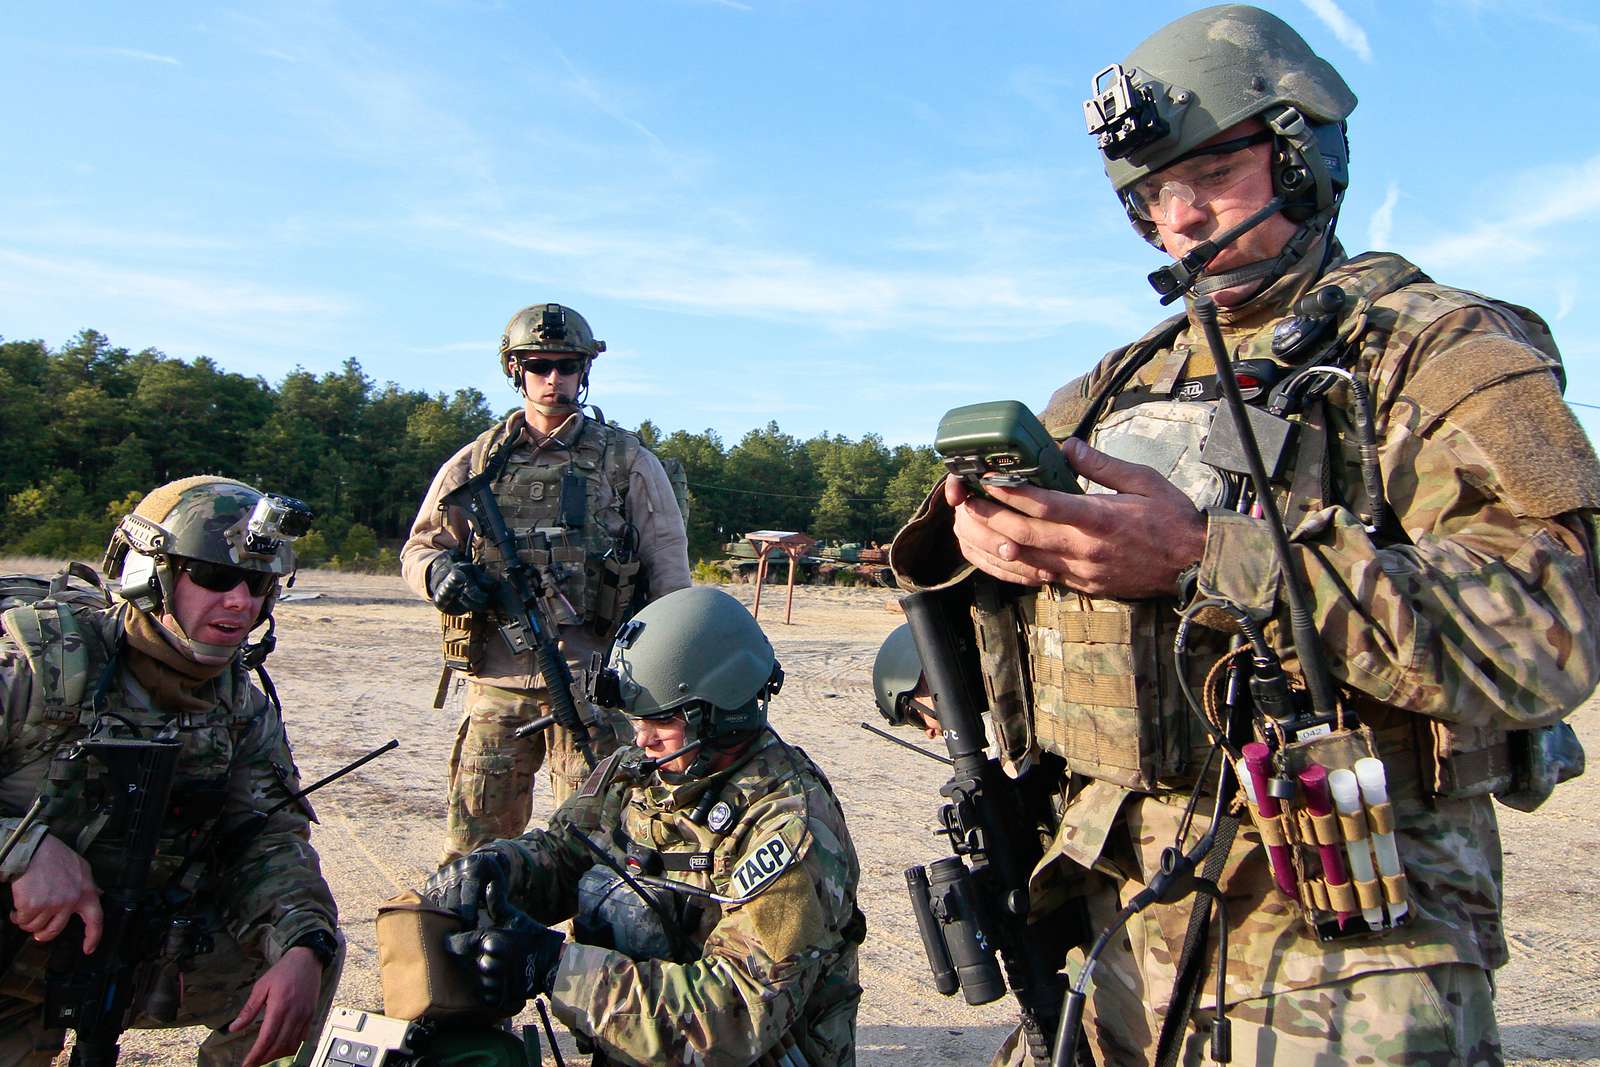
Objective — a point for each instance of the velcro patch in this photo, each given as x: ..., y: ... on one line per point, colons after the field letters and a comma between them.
x: 769, y: 859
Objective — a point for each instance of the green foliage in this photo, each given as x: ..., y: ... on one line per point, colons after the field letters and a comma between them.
x: 706, y: 571
x: 90, y: 428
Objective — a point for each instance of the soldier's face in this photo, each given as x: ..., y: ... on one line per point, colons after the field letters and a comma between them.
x: 211, y: 617
x: 658, y: 737
x: 551, y: 378
x: 1245, y: 190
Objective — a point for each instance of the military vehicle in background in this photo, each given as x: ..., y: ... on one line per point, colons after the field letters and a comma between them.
x: 848, y: 563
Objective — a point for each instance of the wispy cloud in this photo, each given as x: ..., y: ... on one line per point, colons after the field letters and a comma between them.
x: 1345, y: 28
x: 145, y: 57
x: 1382, y: 226
x: 23, y: 275
x: 1526, y: 215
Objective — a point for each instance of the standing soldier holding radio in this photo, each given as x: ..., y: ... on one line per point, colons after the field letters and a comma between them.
x: 594, y: 515
x: 1439, y: 501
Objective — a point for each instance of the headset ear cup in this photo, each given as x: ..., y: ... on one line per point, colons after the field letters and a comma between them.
x: 141, y: 582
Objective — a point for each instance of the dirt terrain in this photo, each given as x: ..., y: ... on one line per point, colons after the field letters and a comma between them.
x: 357, y: 663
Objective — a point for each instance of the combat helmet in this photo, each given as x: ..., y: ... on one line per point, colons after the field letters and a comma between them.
x: 896, y: 673
x: 546, y: 328
x: 210, y: 519
x: 696, y: 651
x: 1211, y: 70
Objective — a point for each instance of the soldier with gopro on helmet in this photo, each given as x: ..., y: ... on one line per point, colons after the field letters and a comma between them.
x: 594, y: 514
x: 1438, y: 503
x: 707, y: 870
x: 250, y: 947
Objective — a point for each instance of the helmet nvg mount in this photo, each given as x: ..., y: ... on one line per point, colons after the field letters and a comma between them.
x: 1206, y: 73
x: 696, y: 651
x: 207, y: 518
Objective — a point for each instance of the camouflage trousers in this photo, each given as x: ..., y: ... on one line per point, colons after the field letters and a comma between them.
x: 1440, y: 1016
x: 212, y: 995
x: 492, y: 772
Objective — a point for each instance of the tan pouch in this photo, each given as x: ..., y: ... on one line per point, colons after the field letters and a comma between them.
x: 419, y: 976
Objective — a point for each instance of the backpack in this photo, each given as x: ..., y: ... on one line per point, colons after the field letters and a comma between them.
x: 39, y: 616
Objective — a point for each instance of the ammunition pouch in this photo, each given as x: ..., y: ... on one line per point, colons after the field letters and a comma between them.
x: 1105, y: 695
x: 418, y: 975
x: 614, y: 583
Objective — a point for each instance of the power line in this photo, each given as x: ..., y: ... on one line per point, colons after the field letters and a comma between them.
x: 1581, y: 404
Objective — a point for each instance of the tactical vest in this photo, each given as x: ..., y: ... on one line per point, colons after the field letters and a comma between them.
x: 1105, y: 691
x: 72, y: 649
x: 581, y: 544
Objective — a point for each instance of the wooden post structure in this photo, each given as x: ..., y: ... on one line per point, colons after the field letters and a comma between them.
x: 794, y: 545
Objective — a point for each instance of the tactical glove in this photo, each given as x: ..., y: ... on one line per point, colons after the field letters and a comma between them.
x: 511, y: 961
x: 463, y: 885
x: 457, y: 587
x: 510, y: 964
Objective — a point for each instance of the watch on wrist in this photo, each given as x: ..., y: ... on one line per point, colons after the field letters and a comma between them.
x: 322, y: 944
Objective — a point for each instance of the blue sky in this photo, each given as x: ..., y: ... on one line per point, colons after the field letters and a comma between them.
x: 893, y: 205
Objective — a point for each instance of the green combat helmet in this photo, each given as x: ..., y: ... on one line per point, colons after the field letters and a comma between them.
x: 698, y: 652
x: 896, y: 673
x: 210, y: 519
x: 1209, y: 71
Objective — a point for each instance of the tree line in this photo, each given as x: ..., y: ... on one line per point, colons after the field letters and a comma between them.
x: 88, y: 428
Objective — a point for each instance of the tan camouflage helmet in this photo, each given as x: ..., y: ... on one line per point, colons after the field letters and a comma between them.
x: 546, y: 328
x: 1209, y: 71
x: 209, y: 518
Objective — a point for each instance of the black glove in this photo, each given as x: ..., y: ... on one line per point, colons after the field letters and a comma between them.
x: 510, y: 963
x: 457, y: 587
x: 463, y: 885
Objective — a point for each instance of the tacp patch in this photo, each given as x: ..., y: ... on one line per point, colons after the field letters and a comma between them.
x: 768, y: 860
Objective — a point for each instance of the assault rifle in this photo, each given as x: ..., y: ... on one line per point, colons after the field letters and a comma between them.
x: 516, y: 601
x: 92, y: 994
x: 973, y: 904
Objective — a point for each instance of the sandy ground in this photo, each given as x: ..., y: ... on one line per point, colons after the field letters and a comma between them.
x: 358, y: 664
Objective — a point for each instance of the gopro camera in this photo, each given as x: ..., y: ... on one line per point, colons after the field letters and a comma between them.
x: 276, y: 519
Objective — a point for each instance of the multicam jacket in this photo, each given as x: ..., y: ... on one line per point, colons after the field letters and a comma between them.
x: 779, y: 967
x: 1472, y: 609
x: 235, y: 759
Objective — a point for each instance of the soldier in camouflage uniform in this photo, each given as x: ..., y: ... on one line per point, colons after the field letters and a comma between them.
x: 197, y: 576
x: 1455, y: 603
x: 601, y: 524
x: 746, y: 949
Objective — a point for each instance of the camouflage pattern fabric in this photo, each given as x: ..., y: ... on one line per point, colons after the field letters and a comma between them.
x: 235, y: 760
x: 1473, y: 609
x: 213, y: 993
x: 782, y: 966
x: 1439, y: 1017
x: 492, y: 772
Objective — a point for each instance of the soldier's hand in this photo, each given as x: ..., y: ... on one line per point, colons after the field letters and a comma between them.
x: 462, y: 885
x: 510, y: 963
x: 57, y: 885
x: 285, y: 998
x: 457, y: 587
x: 1130, y: 543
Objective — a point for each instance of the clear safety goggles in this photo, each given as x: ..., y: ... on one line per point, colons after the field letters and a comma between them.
x: 1227, y: 165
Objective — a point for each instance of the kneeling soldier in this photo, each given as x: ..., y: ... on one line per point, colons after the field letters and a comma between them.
x: 708, y: 870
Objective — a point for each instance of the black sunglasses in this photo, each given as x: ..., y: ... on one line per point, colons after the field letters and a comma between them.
x: 542, y: 367
x: 219, y: 577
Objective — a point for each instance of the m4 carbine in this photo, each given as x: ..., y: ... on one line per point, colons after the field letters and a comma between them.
x: 516, y: 603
